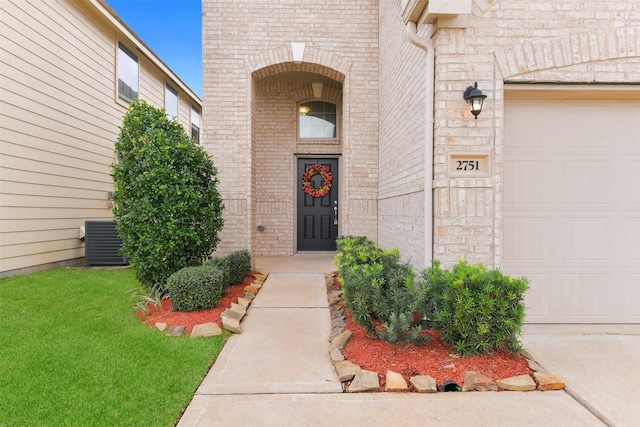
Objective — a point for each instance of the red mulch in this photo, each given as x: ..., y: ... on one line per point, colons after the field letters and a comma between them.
x: 435, y: 358
x: 192, y: 318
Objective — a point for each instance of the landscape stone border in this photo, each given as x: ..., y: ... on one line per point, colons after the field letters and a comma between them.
x: 355, y: 379
x: 231, y: 317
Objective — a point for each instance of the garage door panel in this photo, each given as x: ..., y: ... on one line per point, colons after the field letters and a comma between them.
x: 528, y: 238
x: 538, y: 297
x: 572, y: 208
x: 594, y: 185
x: 635, y: 236
x: 634, y: 196
x: 634, y: 296
x: 530, y: 183
x: 585, y: 295
x: 585, y: 239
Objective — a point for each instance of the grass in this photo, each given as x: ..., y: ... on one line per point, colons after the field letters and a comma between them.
x: 72, y: 353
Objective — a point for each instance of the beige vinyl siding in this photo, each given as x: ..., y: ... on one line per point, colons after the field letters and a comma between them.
x: 59, y: 119
x: 184, y: 112
x: 151, y: 83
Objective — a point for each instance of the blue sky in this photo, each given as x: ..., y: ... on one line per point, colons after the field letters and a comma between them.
x: 172, y: 29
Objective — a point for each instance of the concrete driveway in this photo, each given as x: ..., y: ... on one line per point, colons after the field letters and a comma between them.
x: 598, y: 363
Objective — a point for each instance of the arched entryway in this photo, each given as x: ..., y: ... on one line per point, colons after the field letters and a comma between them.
x: 297, y: 121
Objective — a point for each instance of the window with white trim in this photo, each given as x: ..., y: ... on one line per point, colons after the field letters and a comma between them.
x: 171, y: 102
x: 317, y: 119
x: 127, y: 74
x: 195, y: 124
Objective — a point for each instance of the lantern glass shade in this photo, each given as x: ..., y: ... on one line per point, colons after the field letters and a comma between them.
x: 475, y: 98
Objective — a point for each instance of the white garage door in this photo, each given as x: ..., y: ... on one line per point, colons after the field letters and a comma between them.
x: 572, y: 205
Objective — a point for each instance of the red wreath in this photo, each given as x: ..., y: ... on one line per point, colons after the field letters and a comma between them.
x: 307, y: 185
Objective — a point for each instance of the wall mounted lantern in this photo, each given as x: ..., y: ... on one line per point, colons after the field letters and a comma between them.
x: 474, y: 97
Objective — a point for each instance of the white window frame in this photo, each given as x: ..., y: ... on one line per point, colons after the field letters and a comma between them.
x: 171, y: 102
x: 127, y: 67
x: 195, y: 124
x: 300, y: 114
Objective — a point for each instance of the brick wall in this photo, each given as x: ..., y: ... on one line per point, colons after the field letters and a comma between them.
x: 379, y: 80
x: 513, y: 41
x: 249, y: 120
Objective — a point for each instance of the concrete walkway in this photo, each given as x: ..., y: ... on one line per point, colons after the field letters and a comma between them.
x: 278, y: 373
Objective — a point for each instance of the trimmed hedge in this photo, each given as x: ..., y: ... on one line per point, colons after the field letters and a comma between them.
x: 221, y: 264
x: 239, y: 263
x: 195, y: 288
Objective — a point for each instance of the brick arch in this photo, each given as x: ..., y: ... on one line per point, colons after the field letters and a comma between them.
x: 329, y: 93
x: 316, y: 61
x: 569, y: 50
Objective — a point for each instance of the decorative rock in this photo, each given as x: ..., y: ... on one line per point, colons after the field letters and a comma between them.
x: 232, y: 314
x: 346, y: 370
x: 232, y: 325
x: 364, y: 381
x: 341, y: 340
x: 424, y: 384
x: 250, y: 290
x: 257, y: 284
x: 335, y: 331
x: 535, y: 366
x: 475, y: 381
x: 261, y: 277
x: 244, y: 302
x: 239, y: 308
x: 336, y: 355
x: 249, y: 297
x: 206, y: 330
x: 330, y: 279
x: 547, y: 381
x: 175, y: 331
x: 161, y: 326
x: 395, y: 382
x: 519, y: 383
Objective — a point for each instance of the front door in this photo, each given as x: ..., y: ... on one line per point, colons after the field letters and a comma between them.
x: 317, y: 204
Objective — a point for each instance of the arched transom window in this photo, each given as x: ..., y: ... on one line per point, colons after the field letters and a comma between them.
x: 317, y: 119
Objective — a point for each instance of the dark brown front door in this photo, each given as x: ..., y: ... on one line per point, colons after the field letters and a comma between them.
x: 318, y: 214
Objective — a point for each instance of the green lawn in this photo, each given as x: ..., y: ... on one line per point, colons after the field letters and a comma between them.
x: 72, y: 353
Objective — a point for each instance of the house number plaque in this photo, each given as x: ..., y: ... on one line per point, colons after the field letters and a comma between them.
x: 471, y: 165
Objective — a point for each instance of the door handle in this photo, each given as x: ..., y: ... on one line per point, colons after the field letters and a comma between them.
x: 335, y: 212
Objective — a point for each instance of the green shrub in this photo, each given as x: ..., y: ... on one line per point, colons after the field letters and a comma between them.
x: 239, y: 265
x: 222, y: 264
x: 477, y: 310
x: 377, y: 287
x: 167, y: 208
x: 194, y: 288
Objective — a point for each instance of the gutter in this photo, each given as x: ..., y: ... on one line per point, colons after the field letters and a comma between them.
x: 427, y: 46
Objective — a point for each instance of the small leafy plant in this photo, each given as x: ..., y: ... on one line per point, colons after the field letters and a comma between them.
x: 478, y: 310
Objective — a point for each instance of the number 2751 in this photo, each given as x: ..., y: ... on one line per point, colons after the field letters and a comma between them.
x: 467, y: 165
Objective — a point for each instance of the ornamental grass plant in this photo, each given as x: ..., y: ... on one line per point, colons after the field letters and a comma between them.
x: 73, y: 353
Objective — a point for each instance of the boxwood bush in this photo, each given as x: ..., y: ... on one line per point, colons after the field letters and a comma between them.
x: 478, y: 310
x: 195, y: 288
x: 221, y: 264
x: 239, y: 265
